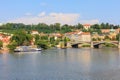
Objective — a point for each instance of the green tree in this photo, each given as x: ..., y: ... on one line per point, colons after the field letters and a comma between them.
x: 12, y: 45
x: 79, y: 26
x: 57, y: 26
x: 1, y: 44
x: 22, y: 38
x: 118, y: 37
x: 37, y: 38
x: 43, y: 44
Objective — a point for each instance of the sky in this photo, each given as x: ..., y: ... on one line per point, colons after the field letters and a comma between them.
x: 60, y: 11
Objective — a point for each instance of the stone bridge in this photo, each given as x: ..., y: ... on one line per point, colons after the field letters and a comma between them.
x: 95, y: 44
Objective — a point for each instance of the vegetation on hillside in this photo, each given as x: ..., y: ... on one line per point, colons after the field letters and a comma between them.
x: 52, y: 28
x: 22, y: 33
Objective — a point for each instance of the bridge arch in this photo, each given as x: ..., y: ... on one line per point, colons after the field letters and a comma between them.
x: 76, y: 45
x: 97, y: 45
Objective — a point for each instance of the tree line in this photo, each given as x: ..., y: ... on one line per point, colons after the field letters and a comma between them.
x: 52, y: 28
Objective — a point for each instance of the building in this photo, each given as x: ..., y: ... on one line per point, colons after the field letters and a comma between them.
x: 5, y: 39
x: 73, y: 36
x: 86, y: 26
x: 110, y: 30
x: 34, y: 32
x: 56, y: 35
x: 79, y: 36
x: 105, y: 30
x: 85, y: 36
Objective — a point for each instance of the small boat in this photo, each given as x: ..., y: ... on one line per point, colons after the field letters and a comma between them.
x: 36, y: 49
x: 26, y: 49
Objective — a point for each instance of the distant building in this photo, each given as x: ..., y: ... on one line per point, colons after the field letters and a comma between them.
x: 105, y: 30
x: 85, y: 36
x: 5, y: 39
x: 34, y: 32
x: 73, y: 36
x: 79, y: 36
x: 110, y: 30
x: 86, y: 26
x: 55, y: 35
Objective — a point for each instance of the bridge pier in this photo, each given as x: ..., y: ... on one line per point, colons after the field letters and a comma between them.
x: 119, y: 45
x: 91, y: 44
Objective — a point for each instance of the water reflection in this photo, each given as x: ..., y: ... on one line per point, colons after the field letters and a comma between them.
x: 62, y: 64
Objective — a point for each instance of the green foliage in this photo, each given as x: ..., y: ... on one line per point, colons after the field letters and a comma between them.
x: 99, y: 39
x: 79, y: 26
x: 107, y: 38
x: 85, y: 30
x: 44, y: 37
x: 94, y: 39
x: 110, y: 45
x: 118, y: 37
x: 65, y: 28
x: 37, y: 38
x: 1, y: 44
x: 22, y: 38
x: 12, y: 45
x: 43, y: 44
x: 104, y: 26
x: 87, y: 45
x: 52, y: 40
x: 42, y: 27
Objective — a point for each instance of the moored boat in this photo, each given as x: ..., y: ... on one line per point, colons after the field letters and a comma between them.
x: 26, y: 49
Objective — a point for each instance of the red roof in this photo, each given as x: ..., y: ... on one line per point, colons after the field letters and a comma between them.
x: 5, y: 39
x: 85, y: 33
x: 86, y: 25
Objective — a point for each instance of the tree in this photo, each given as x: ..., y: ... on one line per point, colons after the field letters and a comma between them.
x: 65, y: 28
x: 107, y: 37
x: 37, y: 38
x: 43, y: 44
x: 1, y: 44
x: 79, y: 26
x: 57, y: 26
x: 12, y: 45
x: 65, y: 41
x: 118, y: 37
x: 22, y: 38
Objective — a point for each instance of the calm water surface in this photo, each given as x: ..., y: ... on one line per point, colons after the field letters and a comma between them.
x: 62, y: 64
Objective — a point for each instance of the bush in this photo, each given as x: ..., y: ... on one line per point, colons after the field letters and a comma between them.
x: 1, y: 44
x: 43, y: 44
x: 86, y: 45
x: 12, y: 46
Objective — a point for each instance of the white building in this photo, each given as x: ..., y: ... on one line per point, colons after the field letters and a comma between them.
x: 86, y: 26
x: 34, y: 32
x: 85, y: 36
x: 79, y: 36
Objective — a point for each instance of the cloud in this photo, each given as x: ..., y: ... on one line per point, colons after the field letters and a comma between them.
x: 51, y: 18
x: 92, y: 21
x: 42, y: 14
x: 1, y: 24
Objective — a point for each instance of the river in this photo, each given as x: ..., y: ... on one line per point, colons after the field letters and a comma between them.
x: 62, y: 64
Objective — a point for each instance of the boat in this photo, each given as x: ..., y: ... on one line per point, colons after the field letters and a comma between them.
x: 26, y: 49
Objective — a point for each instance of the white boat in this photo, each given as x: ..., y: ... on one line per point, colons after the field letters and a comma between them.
x: 26, y: 49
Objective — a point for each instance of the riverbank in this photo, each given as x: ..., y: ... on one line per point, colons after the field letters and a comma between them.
x: 5, y: 50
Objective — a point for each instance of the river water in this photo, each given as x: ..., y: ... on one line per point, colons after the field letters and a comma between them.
x: 62, y: 64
